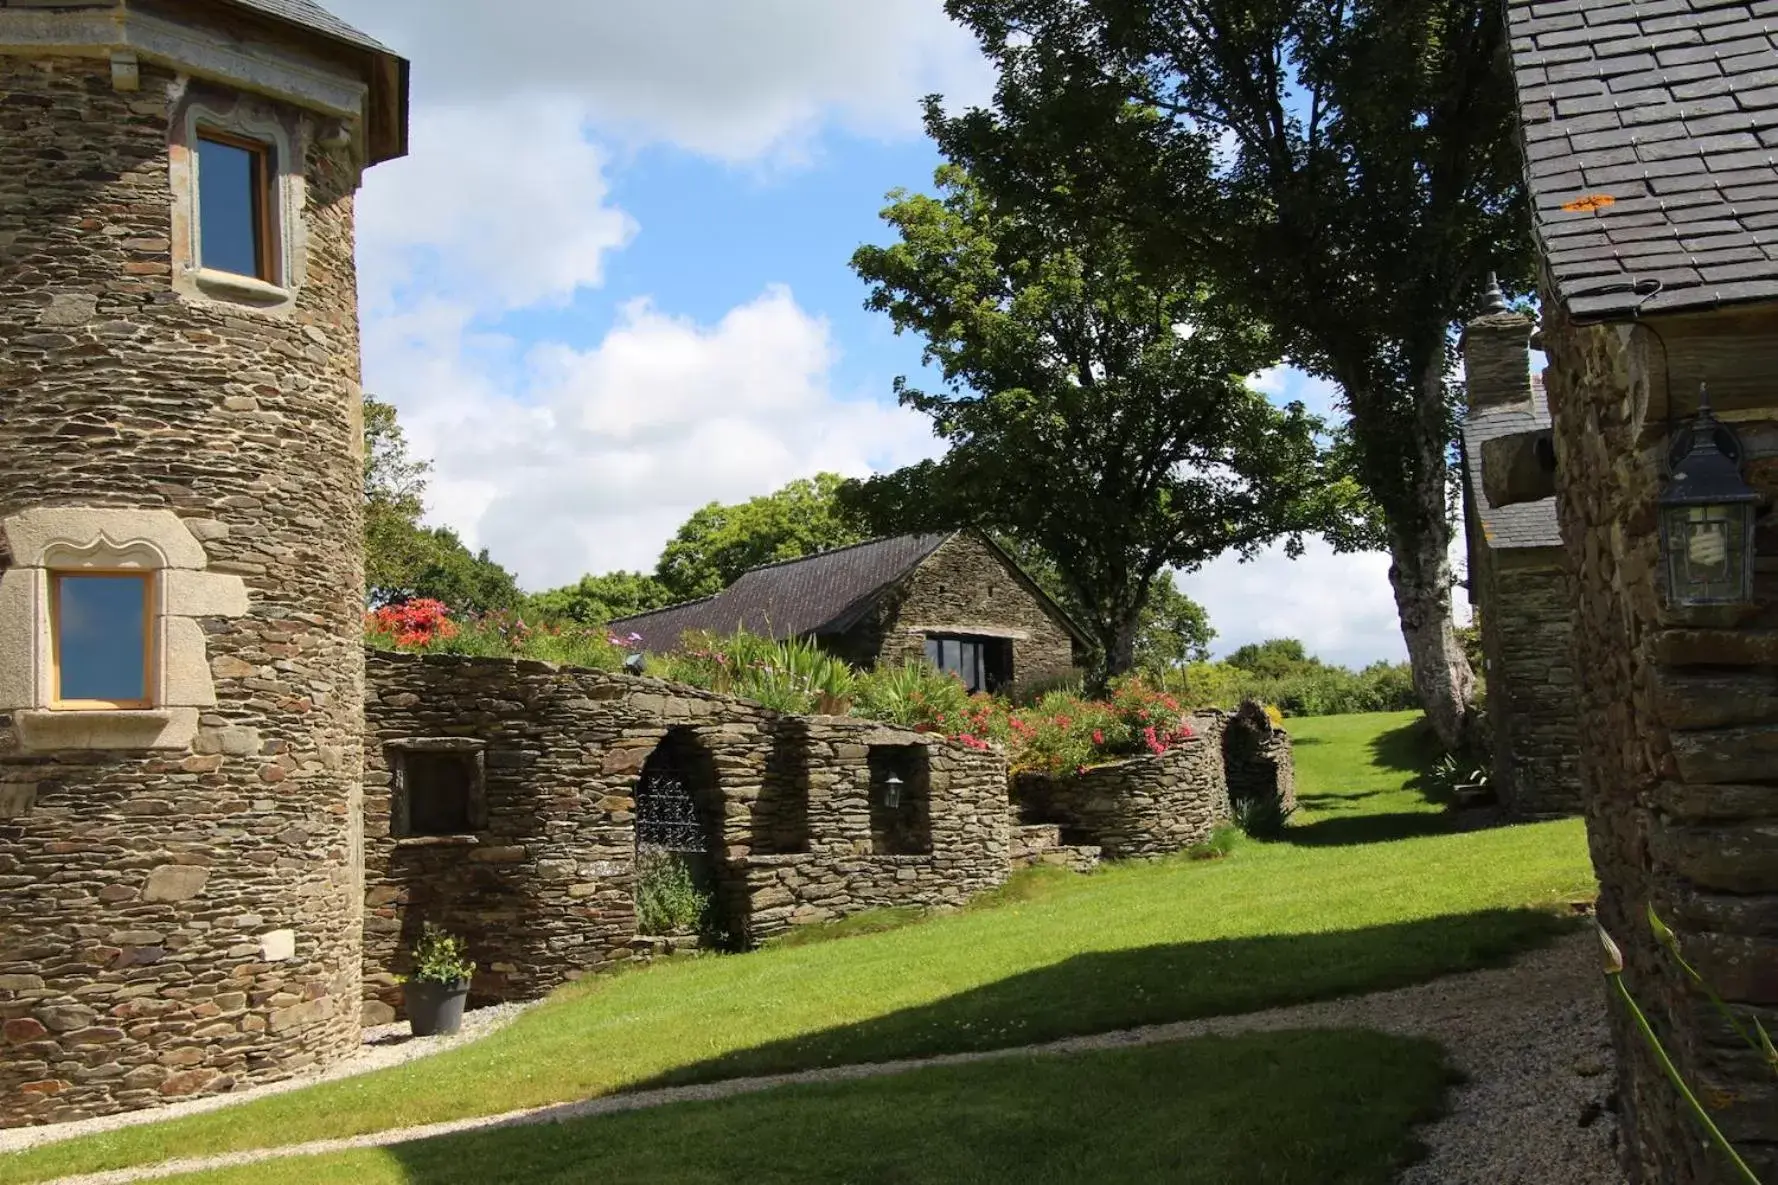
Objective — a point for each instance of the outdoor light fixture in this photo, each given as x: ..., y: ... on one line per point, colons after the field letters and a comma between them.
x: 1707, y: 514
x: 635, y: 664
x: 892, y: 791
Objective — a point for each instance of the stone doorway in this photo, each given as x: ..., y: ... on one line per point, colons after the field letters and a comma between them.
x: 678, y: 890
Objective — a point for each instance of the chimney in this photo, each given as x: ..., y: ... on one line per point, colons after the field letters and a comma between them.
x: 1497, y: 354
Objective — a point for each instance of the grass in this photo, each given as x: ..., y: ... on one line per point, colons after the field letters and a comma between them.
x: 1324, y: 913
x: 1307, y: 1108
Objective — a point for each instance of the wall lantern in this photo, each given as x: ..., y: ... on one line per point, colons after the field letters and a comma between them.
x: 892, y: 791
x: 1707, y: 513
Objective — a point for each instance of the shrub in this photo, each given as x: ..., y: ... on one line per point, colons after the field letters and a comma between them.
x: 1262, y: 816
x: 668, y: 900
x: 425, y: 627
x: 440, y: 958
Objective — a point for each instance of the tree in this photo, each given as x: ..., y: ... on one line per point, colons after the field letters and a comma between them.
x: 1173, y: 629
x: 719, y: 542
x: 1349, y: 171
x: 403, y: 560
x: 1274, y: 658
x: 596, y: 600
x: 1091, y: 411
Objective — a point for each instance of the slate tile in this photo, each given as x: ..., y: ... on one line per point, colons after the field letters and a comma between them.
x: 1588, y: 67
x: 1541, y: 150
x: 1728, y: 162
x: 1600, y: 306
x: 1716, y: 51
x: 1698, y: 146
x: 1714, y: 84
x: 1686, y: 182
x: 1574, y: 86
x: 1555, y: 7
x: 1601, y: 158
x: 1611, y: 138
x: 1538, y: 111
x: 1732, y: 121
x: 1546, y: 58
x: 1725, y: 273
x: 1579, y: 33
x: 1636, y: 234
x: 1742, y: 178
x: 1758, y: 99
x: 1764, y: 222
x: 1740, y: 193
x: 1687, y: 17
x: 1641, y: 171
x: 1725, y: 31
x: 1692, y: 109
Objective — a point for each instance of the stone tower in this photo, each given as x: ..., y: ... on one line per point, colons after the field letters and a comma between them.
x: 181, y: 675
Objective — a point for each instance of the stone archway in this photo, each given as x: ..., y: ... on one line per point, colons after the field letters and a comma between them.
x: 679, y: 843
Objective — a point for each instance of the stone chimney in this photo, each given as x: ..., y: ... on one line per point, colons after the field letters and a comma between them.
x: 1497, y: 354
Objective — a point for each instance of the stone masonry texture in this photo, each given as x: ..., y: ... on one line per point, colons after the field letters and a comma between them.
x: 544, y: 892
x: 964, y: 583
x: 180, y: 923
x: 1679, y: 725
x: 1146, y: 806
x: 1527, y: 638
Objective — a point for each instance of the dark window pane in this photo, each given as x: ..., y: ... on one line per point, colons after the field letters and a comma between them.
x: 971, y: 666
x: 932, y: 651
x: 100, y: 645
x: 438, y: 787
x: 953, y: 660
x: 229, y: 194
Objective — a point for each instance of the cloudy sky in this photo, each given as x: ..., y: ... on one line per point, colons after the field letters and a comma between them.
x: 609, y: 284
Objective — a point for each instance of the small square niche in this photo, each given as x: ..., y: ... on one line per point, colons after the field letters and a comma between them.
x: 440, y: 787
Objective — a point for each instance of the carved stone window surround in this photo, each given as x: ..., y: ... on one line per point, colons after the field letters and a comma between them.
x: 48, y: 540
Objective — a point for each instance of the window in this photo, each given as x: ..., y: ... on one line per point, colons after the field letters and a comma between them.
x: 102, y: 637
x: 983, y: 664
x: 235, y: 205
x: 439, y: 788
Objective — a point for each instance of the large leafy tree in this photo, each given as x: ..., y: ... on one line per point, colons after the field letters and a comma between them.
x: 719, y: 542
x: 404, y: 560
x: 1092, y: 411
x: 595, y: 600
x: 1347, y: 171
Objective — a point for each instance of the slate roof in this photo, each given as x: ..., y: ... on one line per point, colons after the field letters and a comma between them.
x: 1527, y: 524
x: 311, y: 15
x: 819, y: 594
x: 1669, y: 108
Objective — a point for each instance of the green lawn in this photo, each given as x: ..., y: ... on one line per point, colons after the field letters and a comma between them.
x: 1314, y: 1108
x: 1369, y: 892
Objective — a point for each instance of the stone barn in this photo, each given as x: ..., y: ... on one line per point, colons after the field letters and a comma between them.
x: 1518, y: 582
x: 954, y: 598
x: 1649, y: 130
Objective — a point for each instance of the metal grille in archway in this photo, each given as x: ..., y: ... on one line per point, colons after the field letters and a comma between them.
x: 666, y: 814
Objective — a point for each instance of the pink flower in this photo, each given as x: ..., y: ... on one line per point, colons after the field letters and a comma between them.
x: 1098, y: 736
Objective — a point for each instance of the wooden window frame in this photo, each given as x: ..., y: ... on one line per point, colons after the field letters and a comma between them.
x: 265, y: 243
x: 56, y: 702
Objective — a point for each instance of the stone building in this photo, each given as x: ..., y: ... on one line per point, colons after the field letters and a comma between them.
x: 508, y: 801
x: 181, y: 671
x: 1648, y: 131
x: 955, y: 598
x: 1518, y: 582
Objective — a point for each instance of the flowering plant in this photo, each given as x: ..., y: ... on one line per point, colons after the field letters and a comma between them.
x: 411, y: 623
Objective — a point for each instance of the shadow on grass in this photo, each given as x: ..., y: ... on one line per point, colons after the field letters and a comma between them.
x: 1298, y: 1108
x: 1365, y: 829
x: 1103, y: 991
x: 1413, y: 748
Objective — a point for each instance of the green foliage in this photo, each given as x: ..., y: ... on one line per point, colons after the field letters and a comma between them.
x: 1066, y: 370
x: 719, y: 542
x: 1222, y: 842
x: 405, y: 561
x: 1272, y: 658
x: 794, y: 675
x: 1444, y: 777
x: 440, y: 958
x: 1281, y: 673
x: 668, y: 900
x: 1347, y: 175
x: 1172, y: 630
x: 1262, y: 816
x: 595, y: 600
x: 910, y: 694
x: 870, y: 921
x: 506, y: 635
x: 1749, y: 1029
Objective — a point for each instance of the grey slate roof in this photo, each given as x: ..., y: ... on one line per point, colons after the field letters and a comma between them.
x: 818, y: 594
x: 311, y: 15
x: 1527, y: 524
x: 1670, y: 109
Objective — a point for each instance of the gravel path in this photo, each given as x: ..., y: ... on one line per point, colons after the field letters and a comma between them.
x: 1531, y: 1038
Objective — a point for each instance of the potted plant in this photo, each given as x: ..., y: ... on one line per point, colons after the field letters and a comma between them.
x: 439, y: 986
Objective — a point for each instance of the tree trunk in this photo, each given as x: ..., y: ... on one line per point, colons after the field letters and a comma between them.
x: 1420, y: 574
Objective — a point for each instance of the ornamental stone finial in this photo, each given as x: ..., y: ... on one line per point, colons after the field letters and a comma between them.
x: 1494, y: 300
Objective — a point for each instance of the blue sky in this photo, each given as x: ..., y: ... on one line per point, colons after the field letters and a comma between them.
x: 610, y: 283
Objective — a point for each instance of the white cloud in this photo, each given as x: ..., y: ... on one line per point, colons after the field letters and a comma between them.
x: 501, y: 205
x: 563, y: 461
x: 1282, y: 384
x: 733, y: 79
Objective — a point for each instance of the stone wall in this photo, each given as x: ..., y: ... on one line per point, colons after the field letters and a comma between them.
x: 965, y: 587
x: 187, y: 921
x: 1258, y: 763
x: 544, y: 889
x: 1527, y: 637
x: 1146, y: 806
x: 1679, y: 722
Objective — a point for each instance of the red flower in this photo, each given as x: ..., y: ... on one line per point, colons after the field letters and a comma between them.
x: 1098, y: 736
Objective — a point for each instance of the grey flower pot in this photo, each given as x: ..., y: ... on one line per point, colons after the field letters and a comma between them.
x: 435, y: 1008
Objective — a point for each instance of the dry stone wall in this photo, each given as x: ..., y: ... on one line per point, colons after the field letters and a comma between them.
x: 179, y: 922
x: 1527, y: 636
x: 544, y: 891
x: 1678, y: 726
x: 1147, y: 806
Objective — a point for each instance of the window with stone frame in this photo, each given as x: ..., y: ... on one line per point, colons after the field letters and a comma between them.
x: 439, y: 788
x: 102, y: 639
x: 982, y: 664
x: 236, y: 202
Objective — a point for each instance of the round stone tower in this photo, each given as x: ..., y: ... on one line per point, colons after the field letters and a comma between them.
x: 181, y: 569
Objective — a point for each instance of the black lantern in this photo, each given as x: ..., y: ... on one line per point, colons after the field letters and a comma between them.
x: 1707, y: 515
x: 892, y: 791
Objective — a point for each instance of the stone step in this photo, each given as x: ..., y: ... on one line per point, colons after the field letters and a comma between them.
x: 1037, y: 837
